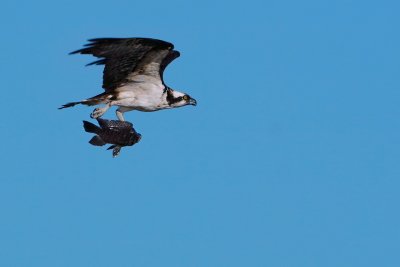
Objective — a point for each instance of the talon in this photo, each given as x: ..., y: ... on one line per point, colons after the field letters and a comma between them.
x: 97, y: 112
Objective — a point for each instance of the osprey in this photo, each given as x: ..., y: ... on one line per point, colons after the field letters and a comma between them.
x: 133, y: 75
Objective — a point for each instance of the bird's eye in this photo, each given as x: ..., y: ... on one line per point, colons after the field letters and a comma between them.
x: 186, y: 97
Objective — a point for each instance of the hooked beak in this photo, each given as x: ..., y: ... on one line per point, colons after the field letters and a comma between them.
x: 192, y: 102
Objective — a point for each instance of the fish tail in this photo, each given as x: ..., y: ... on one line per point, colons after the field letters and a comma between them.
x: 90, y: 127
x: 97, y: 141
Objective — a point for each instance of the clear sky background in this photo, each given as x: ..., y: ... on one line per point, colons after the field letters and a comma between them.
x: 291, y: 157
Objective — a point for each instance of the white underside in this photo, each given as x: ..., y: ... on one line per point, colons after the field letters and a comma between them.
x: 141, y: 95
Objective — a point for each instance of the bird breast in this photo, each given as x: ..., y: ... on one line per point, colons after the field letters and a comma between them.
x: 141, y: 96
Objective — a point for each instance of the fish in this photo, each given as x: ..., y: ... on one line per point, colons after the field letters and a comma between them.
x: 115, y: 132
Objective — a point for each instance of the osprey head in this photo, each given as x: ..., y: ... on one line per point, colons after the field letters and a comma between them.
x: 177, y: 99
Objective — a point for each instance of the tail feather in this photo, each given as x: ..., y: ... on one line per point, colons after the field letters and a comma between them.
x: 98, y: 99
x: 70, y: 104
x: 90, y: 127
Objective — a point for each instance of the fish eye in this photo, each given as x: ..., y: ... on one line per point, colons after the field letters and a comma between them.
x: 186, y: 97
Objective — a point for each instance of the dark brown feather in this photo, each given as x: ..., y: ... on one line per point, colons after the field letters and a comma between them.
x: 121, y: 56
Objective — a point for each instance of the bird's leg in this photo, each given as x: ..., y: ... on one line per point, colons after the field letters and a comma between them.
x: 120, y: 114
x: 98, y: 112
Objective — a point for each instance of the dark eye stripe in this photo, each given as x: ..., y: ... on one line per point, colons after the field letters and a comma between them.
x: 171, y: 100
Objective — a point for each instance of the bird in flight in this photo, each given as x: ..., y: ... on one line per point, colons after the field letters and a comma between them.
x: 133, y: 76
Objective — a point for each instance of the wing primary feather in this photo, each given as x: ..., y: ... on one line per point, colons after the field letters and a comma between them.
x: 121, y: 56
x: 172, y: 55
x: 97, y: 62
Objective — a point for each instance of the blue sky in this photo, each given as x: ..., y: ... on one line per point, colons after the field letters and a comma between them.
x: 291, y: 157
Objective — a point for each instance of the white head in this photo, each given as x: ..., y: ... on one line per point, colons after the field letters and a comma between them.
x: 177, y: 99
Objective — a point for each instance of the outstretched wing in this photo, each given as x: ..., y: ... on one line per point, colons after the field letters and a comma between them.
x: 123, y: 57
x: 154, y: 63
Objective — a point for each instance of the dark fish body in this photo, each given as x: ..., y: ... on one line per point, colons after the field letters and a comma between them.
x: 114, y: 132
